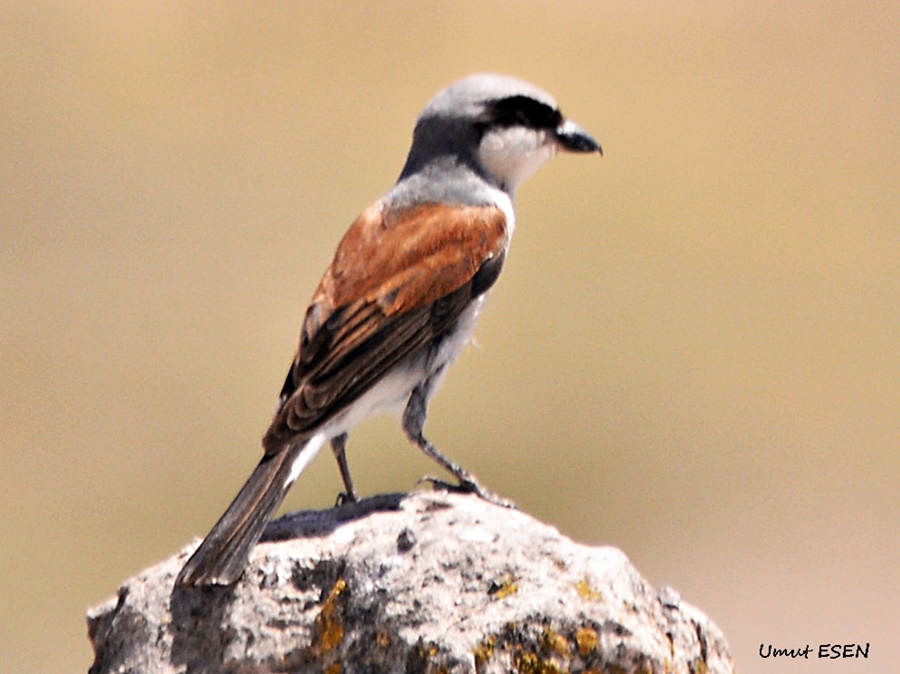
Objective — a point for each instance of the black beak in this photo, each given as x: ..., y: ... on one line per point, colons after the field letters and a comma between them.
x: 573, y: 138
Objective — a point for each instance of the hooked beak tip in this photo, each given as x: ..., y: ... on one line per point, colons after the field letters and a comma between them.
x: 573, y: 138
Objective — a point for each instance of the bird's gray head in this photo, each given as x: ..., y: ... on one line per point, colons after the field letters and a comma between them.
x: 500, y: 127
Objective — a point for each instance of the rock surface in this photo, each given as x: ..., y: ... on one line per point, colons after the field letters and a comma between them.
x: 426, y: 582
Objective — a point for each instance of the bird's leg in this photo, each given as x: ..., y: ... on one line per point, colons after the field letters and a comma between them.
x: 413, y: 425
x: 339, y: 446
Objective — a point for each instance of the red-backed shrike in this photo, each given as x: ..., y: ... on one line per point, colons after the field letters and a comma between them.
x: 401, y: 297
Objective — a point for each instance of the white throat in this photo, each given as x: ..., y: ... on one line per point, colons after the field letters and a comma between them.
x: 513, y: 154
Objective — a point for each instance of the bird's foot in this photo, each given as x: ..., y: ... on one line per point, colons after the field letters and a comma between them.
x: 344, y: 498
x: 469, y: 485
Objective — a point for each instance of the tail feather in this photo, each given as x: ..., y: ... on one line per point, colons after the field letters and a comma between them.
x: 222, y: 555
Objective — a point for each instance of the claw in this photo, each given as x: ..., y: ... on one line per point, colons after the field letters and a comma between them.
x: 469, y: 486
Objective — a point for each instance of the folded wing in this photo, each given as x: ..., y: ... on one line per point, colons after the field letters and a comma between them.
x: 395, y: 284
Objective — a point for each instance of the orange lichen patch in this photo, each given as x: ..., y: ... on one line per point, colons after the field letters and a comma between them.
x: 505, y: 587
x: 483, y: 652
x: 584, y: 589
x: 328, y: 629
x: 553, y: 642
x: 588, y: 641
x: 532, y: 663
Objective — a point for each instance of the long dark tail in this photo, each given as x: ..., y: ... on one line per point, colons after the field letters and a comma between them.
x: 222, y: 555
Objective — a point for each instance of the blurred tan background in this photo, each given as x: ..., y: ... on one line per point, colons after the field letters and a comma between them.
x: 692, y: 353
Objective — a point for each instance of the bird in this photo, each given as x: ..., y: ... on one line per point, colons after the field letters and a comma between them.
x: 400, y: 299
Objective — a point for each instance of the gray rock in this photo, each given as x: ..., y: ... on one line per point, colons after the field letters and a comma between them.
x: 426, y: 582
